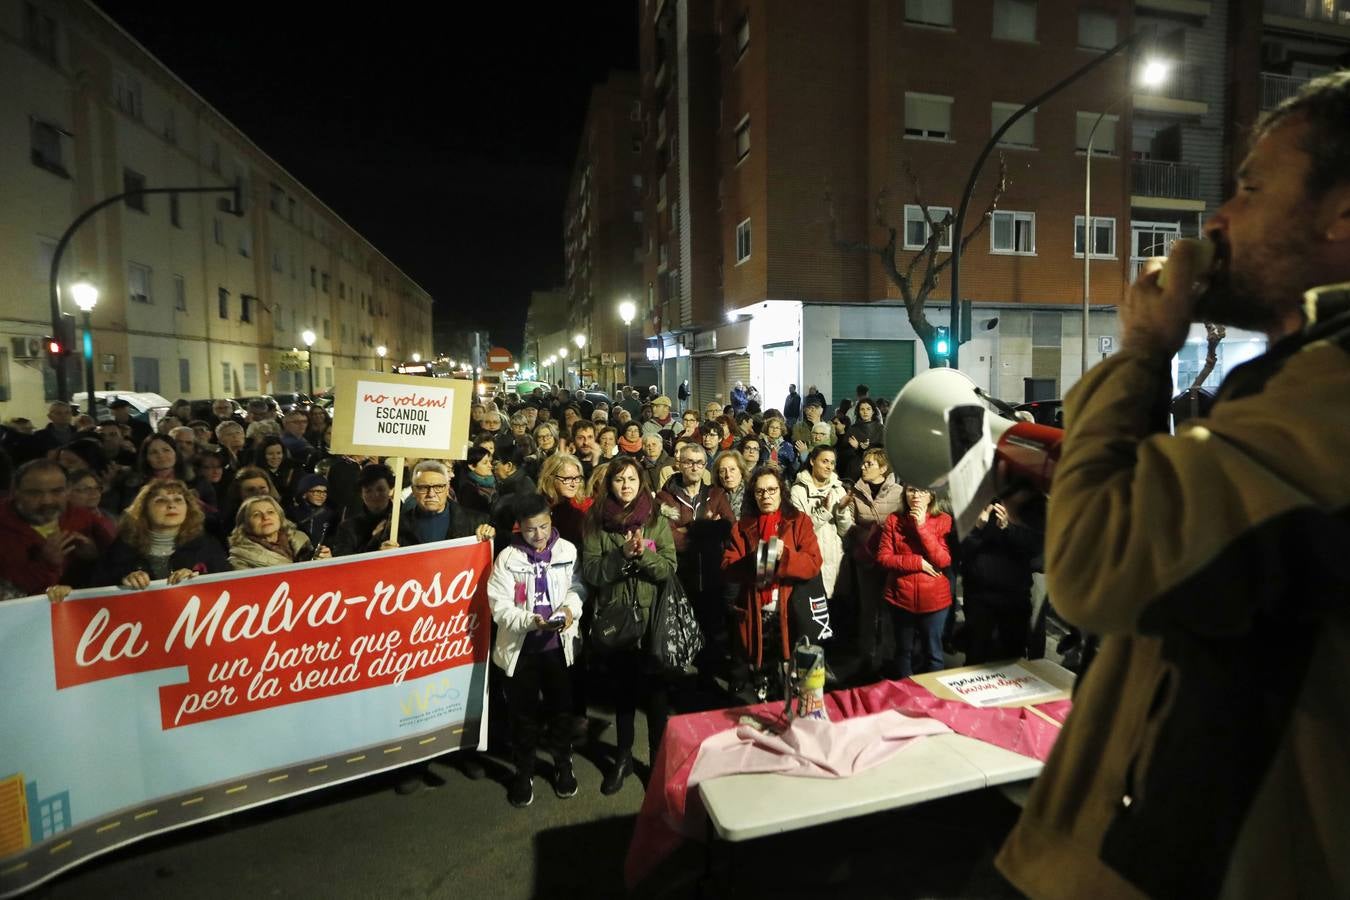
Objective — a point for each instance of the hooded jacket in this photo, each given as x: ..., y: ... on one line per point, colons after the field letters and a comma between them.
x: 872, y: 504
x: 509, y: 589
x: 831, y: 517
x: 1194, y: 765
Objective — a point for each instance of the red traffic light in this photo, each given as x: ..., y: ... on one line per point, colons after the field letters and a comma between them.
x: 54, y: 347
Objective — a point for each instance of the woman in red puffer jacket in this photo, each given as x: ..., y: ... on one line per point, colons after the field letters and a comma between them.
x: 914, y: 552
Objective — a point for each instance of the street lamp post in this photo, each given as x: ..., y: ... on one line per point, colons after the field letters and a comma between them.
x: 1154, y: 74
x: 308, y: 337
x: 86, y: 298
x: 580, y: 340
x: 562, y: 354
x: 958, y: 227
x: 380, y: 351
x: 53, y: 280
x: 627, y: 312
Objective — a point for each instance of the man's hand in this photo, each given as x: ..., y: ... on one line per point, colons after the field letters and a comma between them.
x: 485, y: 532
x: 1155, y: 320
x: 58, y: 592
x: 389, y: 545
x: 801, y: 446
x: 180, y: 575
x: 57, y: 547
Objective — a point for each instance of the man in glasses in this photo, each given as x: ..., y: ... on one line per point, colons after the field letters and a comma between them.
x: 430, y: 515
x: 700, y: 519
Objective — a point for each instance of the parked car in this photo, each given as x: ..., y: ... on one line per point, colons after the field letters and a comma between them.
x: 1045, y: 412
x: 526, y: 388
x: 146, y: 406
x: 292, y: 400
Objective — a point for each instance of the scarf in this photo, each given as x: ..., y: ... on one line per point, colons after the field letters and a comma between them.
x: 619, y: 519
x: 630, y: 447
x: 539, y: 560
x: 768, y: 524
x: 282, y: 547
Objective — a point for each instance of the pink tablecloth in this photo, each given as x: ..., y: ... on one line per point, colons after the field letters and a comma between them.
x: 662, y: 824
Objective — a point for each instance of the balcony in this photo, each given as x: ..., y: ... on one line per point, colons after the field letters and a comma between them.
x: 1159, y: 184
x: 1330, y: 17
x: 1275, y: 89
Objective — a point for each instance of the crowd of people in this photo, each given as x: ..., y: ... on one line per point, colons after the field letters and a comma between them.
x: 588, y: 502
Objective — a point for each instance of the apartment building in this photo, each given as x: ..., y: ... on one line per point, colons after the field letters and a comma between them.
x: 829, y: 116
x: 602, y: 232
x: 196, y: 298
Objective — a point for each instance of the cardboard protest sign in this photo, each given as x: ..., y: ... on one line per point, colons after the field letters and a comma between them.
x: 375, y: 414
x: 996, y: 685
x: 129, y: 713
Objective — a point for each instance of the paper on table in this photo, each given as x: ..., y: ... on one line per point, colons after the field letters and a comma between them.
x: 997, y: 685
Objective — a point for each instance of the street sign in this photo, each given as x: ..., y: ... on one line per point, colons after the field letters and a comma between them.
x: 293, y: 361
x: 499, y: 359
x: 1106, y: 343
x: 607, y: 359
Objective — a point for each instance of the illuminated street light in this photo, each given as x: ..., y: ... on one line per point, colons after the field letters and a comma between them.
x: 309, y: 337
x: 627, y: 312
x: 86, y: 298
x: 380, y: 351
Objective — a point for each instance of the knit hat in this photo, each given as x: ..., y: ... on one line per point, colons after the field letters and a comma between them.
x: 308, y: 483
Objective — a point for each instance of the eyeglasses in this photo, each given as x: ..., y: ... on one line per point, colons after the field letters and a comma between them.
x: 317, y: 491
x: 693, y: 463
x: 568, y: 479
x: 431, y: 488
x: 766, y: 492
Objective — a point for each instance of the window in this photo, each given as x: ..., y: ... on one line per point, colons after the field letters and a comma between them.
x: 127, y: 94
x: 1047, y: 338
x: 138, y: 283
x: 246, y: 307
x: 928, y: 116
x: 39, y: 31
x: 1096, y: 29
x: 6, y: 393
x: 223, y: 302
x: 929, y: 12
x: 743, y: 139
x: 133, y: 181
x: 1012, y: 232
x: 742, y: 242
x: 218, y: 231
x: 342, y: 290
x: 742, y: 35
x: 250, y: 376
x: 324, y: 282
x: 1022, y: 133
x: 179, y: 293
x: 917, y: 231
x: 290, y: 208
x: 274, y: 197
x: 1103, y: 139
x: 184, y: 377
x: 175, y: 212
x: 46, y: 147
x: 227, y: 378
x: 1015, y: 20
x: 1103, y: 237
x: 245, y: 242
x: 327, y: 329
x: 328, y: 376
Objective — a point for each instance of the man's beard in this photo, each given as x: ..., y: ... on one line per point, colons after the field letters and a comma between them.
x: 1259, y: 294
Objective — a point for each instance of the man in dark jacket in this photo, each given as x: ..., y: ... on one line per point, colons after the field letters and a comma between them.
x: 792, y: 406
x: 813, y: 393
x: 996, y: 565
x: 43, y: 541
x: 361, y: 532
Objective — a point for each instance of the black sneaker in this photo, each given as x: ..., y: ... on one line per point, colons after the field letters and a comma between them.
x: 564, y: 779
x: 622, y: 768
x: 470, y: 765
x: 521, y: 792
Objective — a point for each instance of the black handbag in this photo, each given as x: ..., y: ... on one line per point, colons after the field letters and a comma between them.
x: 810, y: 611
x: 675, y: 638
x: 616, y: 626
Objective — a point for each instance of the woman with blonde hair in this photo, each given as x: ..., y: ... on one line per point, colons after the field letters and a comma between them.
x: 262, y: 537
x: 161, y: 535
x: 567, y: 493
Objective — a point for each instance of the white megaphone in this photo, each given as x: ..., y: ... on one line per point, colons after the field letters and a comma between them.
x: 941, y: 432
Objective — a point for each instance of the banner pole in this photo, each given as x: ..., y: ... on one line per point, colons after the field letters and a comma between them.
x: 397, y: 498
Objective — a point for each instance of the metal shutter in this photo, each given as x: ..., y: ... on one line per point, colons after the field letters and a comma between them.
x: 707, y: 381
x: 738, y: 369
x: 884, y: 366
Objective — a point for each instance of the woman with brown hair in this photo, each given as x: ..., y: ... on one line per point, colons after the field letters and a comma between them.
x: 262, y: 537
x: 766, y: 587
x: 628, y: 555
x: 873, y: 498
x: 914, y: 552
x: 160, y: 536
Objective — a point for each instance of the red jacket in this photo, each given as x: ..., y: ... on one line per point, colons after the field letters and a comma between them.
x: 21, y: 560
x: 799, y: 561
x: 904, y: 547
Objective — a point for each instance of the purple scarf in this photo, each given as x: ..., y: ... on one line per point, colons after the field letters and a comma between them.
x: 540, y: 560
x: 620, y: 519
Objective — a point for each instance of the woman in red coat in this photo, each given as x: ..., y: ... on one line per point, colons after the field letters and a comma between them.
x: 914, y: 552
x: 762, y: 604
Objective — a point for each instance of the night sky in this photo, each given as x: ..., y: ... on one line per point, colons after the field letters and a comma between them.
x: 447, y: 142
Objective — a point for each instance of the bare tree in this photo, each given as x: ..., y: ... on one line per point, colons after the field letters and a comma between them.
x: 1214, y: 334
x: 917, y: 277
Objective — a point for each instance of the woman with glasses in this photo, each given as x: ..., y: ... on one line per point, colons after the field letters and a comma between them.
x: 545, y: 445
x: 160, y: 536
x: 872, y: 498
x: 767, y: 580
x: 775, y: 449
x: 628, y: 554
x: 914, y: 552
x: 752, y: 451
x: 561, y: 483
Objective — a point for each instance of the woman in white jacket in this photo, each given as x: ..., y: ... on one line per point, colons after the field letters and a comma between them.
x: 536, y: 594
x: 820, y: 494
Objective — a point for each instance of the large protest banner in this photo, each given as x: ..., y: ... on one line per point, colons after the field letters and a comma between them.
x: 128, y: 713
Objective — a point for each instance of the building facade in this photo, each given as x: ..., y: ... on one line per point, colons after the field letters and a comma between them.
x: 833, y: 125
x: 196, y: 298
x: 602, y: 232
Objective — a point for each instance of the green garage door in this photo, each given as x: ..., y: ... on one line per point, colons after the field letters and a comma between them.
x: 884, y: 366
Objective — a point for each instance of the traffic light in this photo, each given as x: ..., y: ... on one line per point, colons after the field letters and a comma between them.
x: 53, y: 349
x: 942, y: 342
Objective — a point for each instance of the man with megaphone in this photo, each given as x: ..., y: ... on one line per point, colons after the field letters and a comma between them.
x: 1208, y: 751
